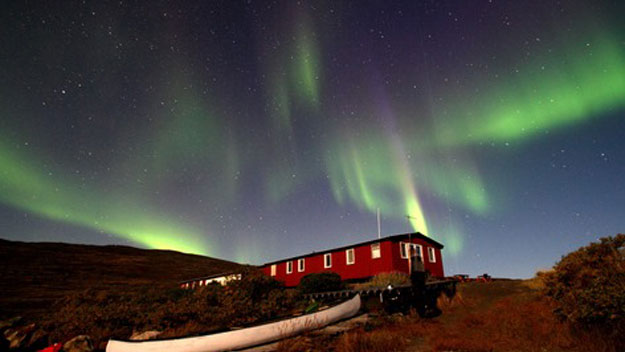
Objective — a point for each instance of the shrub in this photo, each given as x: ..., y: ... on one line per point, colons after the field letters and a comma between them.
x: 588, y: 286
x: 320, y: 282
x: 392, y: 278
x: 177, y: 312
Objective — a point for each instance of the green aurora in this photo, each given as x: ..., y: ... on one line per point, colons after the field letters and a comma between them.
x: 587, y: 80
x: 411, y: 173
x: 26, y: 186
x: 524, y: 107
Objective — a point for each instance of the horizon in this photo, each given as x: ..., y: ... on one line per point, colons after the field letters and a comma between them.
x: 258, y: 131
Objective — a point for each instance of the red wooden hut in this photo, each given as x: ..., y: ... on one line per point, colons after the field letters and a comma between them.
x: 362, y: 260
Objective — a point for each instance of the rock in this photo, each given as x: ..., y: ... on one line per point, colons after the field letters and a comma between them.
x: 17, y: 337
x: 38, y: 340
x: 146, y: 335
x: 80, y: 343
x: 9, y: 323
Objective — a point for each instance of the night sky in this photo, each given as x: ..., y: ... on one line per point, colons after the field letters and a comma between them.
x: 257, y: 130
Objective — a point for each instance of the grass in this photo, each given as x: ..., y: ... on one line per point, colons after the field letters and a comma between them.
x: 497, y: 316
x: 503, y: 315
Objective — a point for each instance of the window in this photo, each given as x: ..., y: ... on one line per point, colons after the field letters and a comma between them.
x: 327, y: 260
x: 418, y: 251
x: 375, y: 251
x: 431, y: 255
x: 415, y: 249
x: 403, y: 249
x: 273, y: 270
x: 350, y: 258
x: 289, y: 267
x: 300, y: 265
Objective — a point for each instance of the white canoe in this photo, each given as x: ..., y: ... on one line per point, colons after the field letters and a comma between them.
x: 248, y: 337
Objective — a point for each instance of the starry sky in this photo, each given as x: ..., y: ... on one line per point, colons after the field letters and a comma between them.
x: 256, y: 130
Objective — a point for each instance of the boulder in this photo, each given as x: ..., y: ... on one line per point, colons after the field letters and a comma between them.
x: 18, y: 337
x: 38, y: 340
x: 9, y: 323
x: 80, y: 343
x: 146, y: 335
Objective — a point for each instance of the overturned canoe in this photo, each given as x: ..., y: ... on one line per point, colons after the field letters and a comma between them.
x: 248, y: 337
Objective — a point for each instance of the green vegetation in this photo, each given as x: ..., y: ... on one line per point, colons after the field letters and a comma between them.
x: 585, y: 290
x: 384, y: 279
x: 588, y: 286
x: 320, y: 282
x: 177, y: 313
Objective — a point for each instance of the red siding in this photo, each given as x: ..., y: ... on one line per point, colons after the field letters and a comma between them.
x: 400, y: 264
x: 365, y: 266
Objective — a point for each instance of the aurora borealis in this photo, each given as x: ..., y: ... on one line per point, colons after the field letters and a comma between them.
x: 256, y: 130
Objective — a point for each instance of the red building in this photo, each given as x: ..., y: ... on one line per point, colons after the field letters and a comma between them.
x: 362, y: 260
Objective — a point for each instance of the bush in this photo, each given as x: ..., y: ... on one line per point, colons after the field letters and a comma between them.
x: 385, y: 279
x: 176, y: 312
x: 320, y: 282
x: 588, y: 286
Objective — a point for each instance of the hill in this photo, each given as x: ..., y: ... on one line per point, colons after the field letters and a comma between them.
x: 34, y: 275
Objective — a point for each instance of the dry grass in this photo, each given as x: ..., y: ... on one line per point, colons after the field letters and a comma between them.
x: 297, y: 344
x: 495, y: 316
x: 510, y: 324
x: 502, y: 316
x: 383, y: 340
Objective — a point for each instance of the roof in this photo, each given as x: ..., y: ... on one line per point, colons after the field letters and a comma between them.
x: 396, y: 237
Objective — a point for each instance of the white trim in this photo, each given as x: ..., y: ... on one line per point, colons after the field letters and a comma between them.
x: 273, y: 269
x: 347, y: 251
x: 327, y: 260
x: 301, y: 265
x: 376, y: 250
x: 289, y: 267
x: 431, y: 255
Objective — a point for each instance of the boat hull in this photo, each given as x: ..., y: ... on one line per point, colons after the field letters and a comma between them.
x: 248, y: 337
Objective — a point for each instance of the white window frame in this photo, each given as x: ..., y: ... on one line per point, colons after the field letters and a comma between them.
x: 273, y: 269
x: 347, y: 251
x: 289, y: 267
x: 327, y: 260
x: 431, y: 255
x: 301, y: 265
x: 376, y: 253
x: 404, y: 249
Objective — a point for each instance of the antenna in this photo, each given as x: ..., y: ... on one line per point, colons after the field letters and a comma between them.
x: 410, y: 218
x: 379, y: 232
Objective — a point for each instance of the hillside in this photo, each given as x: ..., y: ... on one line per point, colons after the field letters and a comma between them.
x: 34, y: 275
